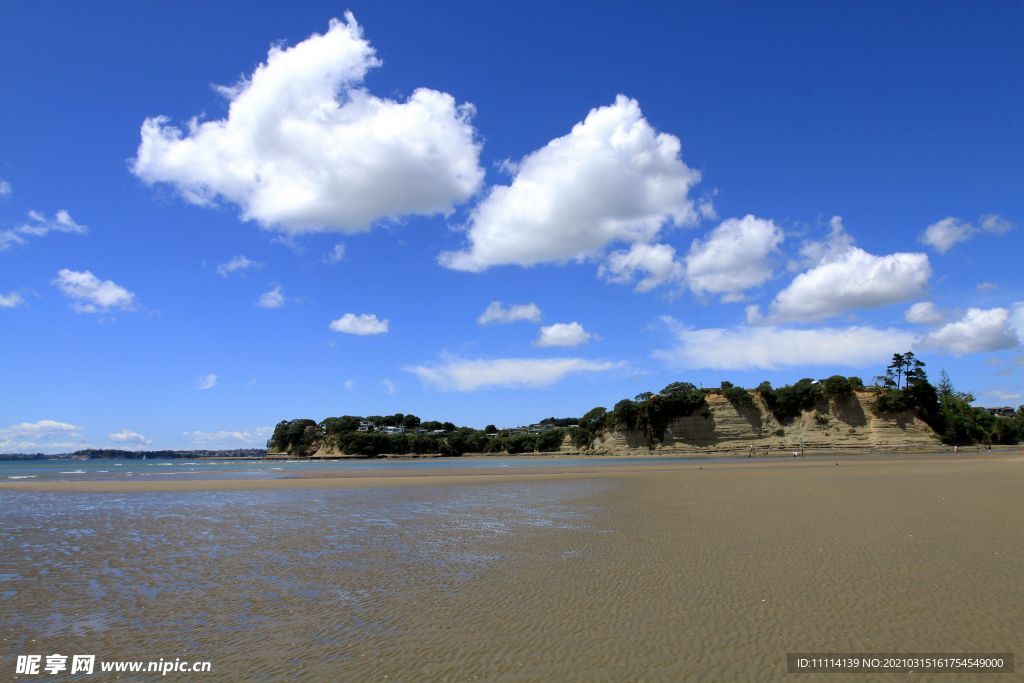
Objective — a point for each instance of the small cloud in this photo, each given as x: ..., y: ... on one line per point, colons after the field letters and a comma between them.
x: 89, y: 294
x: 923, y: 313
x: 562, y: 334
x: 11, y: 300
x: 365, y: 324
x: 5, y: 189
x: 995, y: 224
x: 986, y: 286
x: 350, y: 385
x: 497, y: 312
x: 657, y: 262
x: 389, y: 385
x: 272, y: 299
x: 208, y: 381
x: 943, y: 235
x: 129, y: 437
x: 335, y: 255
x: 237, y: 263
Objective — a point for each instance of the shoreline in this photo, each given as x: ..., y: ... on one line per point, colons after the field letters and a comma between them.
x: 363, y: 479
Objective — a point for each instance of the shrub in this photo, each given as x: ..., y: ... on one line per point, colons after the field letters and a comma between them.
x: 791, y: 400
x: 738, y: 396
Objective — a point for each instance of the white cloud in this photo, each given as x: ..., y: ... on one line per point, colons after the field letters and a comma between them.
x: 11, y: 300
x: 769, y: 348
x: 235, y: 264
x: 657, y: 261
x: 562, y: 334
x: 208, y: 381
x: 350, y: 385
x: 89, y: 294
x: 38, y: 225
x: 986, y: 286
x: 251, y: 438
x: 389, y: 386
x: 5, y: 188
x: 846, y: 278
x: 455, y: 374
x: 497, y: 312
x: 364, y: 324
x: 612, y: 178
x: 733, y: 257
x: 273, y: 298
x: 995, y: 224
x: 129, y: 437
x: 943, y: 235
x: 336, y: 254
x: 305, y: 147
x: 49, y: 436
x: 979, y: 330
x: 9, y: 238
x: 924, y: 313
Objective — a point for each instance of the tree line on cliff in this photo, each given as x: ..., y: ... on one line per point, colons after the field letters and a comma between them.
x: 902, y: 388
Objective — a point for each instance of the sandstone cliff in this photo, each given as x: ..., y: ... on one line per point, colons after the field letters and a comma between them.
x: 847, y: 425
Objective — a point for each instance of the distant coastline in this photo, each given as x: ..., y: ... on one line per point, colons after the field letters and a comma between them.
x: 120, y: 454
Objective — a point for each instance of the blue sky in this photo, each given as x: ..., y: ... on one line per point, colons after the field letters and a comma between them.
x: 636, y: 194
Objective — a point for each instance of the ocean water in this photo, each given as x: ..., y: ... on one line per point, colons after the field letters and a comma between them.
x: 244, y: 468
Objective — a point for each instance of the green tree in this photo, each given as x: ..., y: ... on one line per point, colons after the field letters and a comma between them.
x: 836, y: 388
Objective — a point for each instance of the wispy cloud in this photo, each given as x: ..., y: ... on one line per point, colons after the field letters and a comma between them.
x: 226, y: 438
x: 751, y: 348
x: 273, y: 298
x: 126, y: 436
x: 38, y: 225
x: 11, y: 300
x: 89, y: 294
x: 208, y: 381
x: 497, y: 312
x: 455, y: 374
x: 236, y: 264
x: 48, y: 436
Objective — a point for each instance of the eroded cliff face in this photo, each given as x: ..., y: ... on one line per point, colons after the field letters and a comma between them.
x: 847, y: 425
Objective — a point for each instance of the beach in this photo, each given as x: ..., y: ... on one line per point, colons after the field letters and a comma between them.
x: 591, y: 572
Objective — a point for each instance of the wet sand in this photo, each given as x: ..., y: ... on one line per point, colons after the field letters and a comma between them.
x: 676, y: 571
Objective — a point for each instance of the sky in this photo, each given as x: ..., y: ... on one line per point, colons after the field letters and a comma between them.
x: 215, y: 216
